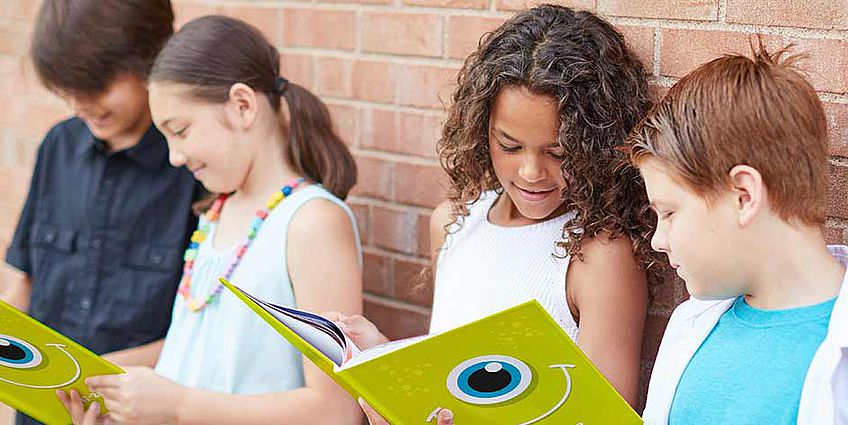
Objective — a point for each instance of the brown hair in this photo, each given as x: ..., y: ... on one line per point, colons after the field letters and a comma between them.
x: 81, y: 45
x: 211, y: 53
x: 758, y: 111
x: 582, y: 62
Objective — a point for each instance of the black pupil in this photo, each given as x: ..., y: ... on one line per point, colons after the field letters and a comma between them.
x: 12, y: 352
x: 489, y: 382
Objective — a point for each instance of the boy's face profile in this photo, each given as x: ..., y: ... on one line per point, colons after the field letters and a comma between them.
x: 697, y: 236
x: 118, y: 111
x: 525, y: 153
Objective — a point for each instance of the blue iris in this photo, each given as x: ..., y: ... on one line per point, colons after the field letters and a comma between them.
x: 489, y: 379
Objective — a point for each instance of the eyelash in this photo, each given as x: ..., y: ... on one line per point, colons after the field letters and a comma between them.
x: 180, y: 133
x: 513, y: 149
x: 666, y: 215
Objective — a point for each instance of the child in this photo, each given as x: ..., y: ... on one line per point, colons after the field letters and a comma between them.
x: 216, y: 93
x: 101, y: 233
x: 530, y: 149
x: 735, y: 163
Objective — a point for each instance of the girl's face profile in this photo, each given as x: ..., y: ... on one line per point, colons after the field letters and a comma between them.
x: 200, y: 137
x: 525, y: 153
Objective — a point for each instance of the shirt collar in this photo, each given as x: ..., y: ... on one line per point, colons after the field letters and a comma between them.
x: 151, y: 152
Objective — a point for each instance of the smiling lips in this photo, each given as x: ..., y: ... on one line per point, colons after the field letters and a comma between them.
x: 534, y: 195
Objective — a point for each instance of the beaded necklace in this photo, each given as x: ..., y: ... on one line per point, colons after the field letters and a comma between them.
x: 199, y: 235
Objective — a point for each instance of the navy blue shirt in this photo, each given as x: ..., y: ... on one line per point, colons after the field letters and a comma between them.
x: 102, y: 236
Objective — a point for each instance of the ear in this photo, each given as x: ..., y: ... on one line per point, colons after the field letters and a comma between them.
x: 242, y: 106
x: 749, y: 193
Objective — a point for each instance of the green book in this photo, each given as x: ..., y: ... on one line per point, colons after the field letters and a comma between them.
x: 35, y: 361
x: 514, y: 367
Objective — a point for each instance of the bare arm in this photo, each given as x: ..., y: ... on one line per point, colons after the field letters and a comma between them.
x: 609, y: 292
x: 143, y: 355
x: 17, y: 290
x: 438, y: 220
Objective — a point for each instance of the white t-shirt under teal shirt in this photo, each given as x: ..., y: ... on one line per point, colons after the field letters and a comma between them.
x: 226, y: 347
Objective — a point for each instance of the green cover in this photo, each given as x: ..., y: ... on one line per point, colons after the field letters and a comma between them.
x: 514, y: 367
x: 35, y: 361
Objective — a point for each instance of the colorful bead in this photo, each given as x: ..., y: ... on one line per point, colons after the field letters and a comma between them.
x: 199, y: 236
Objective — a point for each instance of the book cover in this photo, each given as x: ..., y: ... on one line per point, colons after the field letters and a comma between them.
x: 515, y: 367
x: 35, y: 361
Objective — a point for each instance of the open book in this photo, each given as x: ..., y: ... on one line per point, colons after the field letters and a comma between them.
x: 35, y: 361
x: 515, y: 367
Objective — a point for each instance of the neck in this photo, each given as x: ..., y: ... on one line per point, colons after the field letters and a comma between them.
x: 132, y: 136
x: 799, y: 270
x: 505, y: 213
x: 269, y: 170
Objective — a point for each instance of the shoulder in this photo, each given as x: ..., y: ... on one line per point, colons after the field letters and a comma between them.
x: 607, y: 270
x: 440, y: 218
x: 319, y: 215
x: 64, y: 133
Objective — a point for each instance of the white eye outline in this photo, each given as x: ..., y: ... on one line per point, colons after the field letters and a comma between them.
x: 6, y: 340
x: 521, y: 367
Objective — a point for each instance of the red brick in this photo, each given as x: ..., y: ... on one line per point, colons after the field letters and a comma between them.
x: 363, y: 219
x: 328, y: 29
x: 402, y: 132
x: 701, y: 10
x: 656, y: 91
x: 185, y: 12
x: 837, y: 204
x: 19, y: 10
x: 458, y: 4
x: 396, y: 321
x: 375, y: 178
x: 334, y: 77
x: 426, y: 86
x: 356, y: 1
x: 683, y: 50
x: 654, y: 329
x: 374, y: 80
x: 299, y: 69
x: 424, y: 236
x: 664, y: 288
x: 835, y: 235
x: 525, y: 4
x: 15, y: 39
x: 344, y: 122
x: 413, y: 281
x: 38, y: 117
x: 266, y: 19
x: 641, y: 42
x: 827, y: 64
x: 826, y: 14
x: 464, y: 33
x: 837, y: 120
x: 395, y: 230
x: 402, y: 33
x: 419, y: 184
x: 377, y: 274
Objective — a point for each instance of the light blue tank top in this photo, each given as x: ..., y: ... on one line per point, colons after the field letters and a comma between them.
x: 226, y: 347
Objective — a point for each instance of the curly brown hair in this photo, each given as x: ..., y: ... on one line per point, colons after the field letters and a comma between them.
x: 582, y: 62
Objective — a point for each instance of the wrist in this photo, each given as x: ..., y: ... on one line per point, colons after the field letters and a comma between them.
x: 180, y: 410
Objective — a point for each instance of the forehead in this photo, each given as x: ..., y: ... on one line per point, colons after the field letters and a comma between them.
x: 167, y: 100
x: 661, y: 182
x: 525, y: 115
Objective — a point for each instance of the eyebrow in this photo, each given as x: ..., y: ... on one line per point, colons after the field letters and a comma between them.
x: 507, y: 136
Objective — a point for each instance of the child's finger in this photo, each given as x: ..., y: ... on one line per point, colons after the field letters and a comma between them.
x: 77, y: 408
x: 91, y: 415
x: 374, y: 418
x: 445, y: 417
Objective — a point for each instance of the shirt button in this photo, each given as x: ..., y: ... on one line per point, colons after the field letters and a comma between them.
x: 107, y: 183
x: 49, y: 236
x: 156, y: 258
x: 96, y: 243
x: 85, y: 304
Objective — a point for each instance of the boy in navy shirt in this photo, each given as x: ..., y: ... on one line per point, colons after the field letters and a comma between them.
x: 101, y: 235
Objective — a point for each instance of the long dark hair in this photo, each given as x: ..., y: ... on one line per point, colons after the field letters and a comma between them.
x: 211, y: 53
x: 582, y: 62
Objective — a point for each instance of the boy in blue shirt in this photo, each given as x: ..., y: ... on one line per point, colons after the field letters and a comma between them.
x: 101, y: 235
x: 735, y: 164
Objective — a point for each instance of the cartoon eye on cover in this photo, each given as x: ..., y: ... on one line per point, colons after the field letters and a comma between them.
x: 495, y: 379
x: 24, y: 365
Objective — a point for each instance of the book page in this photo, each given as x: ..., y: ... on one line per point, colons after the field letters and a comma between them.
x: 382, y: 349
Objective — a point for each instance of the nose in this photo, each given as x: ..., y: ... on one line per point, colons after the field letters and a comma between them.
x: 532, y: 169
x: 659, y: 241
x: 176, y: 158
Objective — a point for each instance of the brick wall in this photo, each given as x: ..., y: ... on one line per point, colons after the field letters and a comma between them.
x: 385, y: 66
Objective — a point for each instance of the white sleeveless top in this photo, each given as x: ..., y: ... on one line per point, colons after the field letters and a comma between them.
x: 484, y: 268
x: 226, y: 347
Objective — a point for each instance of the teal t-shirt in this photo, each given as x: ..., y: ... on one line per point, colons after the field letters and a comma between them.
x: 752, y: 366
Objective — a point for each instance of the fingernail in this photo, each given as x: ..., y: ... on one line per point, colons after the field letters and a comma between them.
x: 446, y: 414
